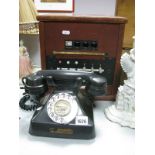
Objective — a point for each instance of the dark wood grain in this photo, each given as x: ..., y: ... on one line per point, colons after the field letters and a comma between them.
x: 42, y: 44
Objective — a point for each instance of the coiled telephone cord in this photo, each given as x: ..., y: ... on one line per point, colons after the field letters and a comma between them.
x: 23, y: 105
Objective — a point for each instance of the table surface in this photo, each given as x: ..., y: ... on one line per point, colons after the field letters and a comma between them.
x: 111, y: 138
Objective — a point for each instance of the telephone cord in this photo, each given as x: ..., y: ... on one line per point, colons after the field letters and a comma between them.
x: 23, y: 105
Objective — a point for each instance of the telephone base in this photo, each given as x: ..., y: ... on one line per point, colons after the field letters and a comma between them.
x: 42, y: 125
x: 63, y: 110
x: 62, y: 131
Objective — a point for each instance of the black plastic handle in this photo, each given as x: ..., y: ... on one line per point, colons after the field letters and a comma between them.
x: 95, y: 84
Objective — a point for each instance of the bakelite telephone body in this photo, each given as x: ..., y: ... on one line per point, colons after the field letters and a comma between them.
x: 62, y: 108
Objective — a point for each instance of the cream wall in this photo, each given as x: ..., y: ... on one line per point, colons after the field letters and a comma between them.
x: 103, y: 7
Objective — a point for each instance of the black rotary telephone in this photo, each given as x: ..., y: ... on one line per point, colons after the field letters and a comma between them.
x: 62, y: 108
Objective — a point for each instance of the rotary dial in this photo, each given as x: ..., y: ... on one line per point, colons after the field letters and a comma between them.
x: 62, y: 108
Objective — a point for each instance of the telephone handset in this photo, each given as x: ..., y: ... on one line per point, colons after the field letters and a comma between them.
x: 62, y: 108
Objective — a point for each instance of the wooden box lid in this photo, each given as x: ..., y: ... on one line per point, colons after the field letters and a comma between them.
x: 81, y: 18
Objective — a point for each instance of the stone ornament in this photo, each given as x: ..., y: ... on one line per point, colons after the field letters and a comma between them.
x: 123, y: 111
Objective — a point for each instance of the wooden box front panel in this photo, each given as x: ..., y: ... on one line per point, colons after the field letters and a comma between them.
x: 108, y: 37
x: 105, y: 34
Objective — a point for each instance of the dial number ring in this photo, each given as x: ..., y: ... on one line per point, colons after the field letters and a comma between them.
x: 62, y: 108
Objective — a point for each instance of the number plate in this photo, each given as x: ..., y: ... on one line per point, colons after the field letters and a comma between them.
x: 81, y: 120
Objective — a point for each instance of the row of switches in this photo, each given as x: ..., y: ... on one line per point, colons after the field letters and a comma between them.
x: 92, y: 69
x: 100, y: 70
x: 80, y: 44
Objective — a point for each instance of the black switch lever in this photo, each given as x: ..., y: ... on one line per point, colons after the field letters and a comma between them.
x: 77, y: 44
x: 85, y: 44
x: 94, y: 44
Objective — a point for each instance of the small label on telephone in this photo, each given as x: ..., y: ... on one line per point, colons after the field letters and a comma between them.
x: 81, y: 120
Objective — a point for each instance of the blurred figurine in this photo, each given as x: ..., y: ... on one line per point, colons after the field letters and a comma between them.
x: 25, y: 66
x: 123, y: 112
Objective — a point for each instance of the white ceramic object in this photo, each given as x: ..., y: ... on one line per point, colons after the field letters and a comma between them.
x: 123, y: 111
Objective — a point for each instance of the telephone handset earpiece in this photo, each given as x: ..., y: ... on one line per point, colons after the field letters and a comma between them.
x: 35, y: 84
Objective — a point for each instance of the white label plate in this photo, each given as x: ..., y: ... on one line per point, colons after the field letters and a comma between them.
x: 65, y: 32
x: 81, y: 120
